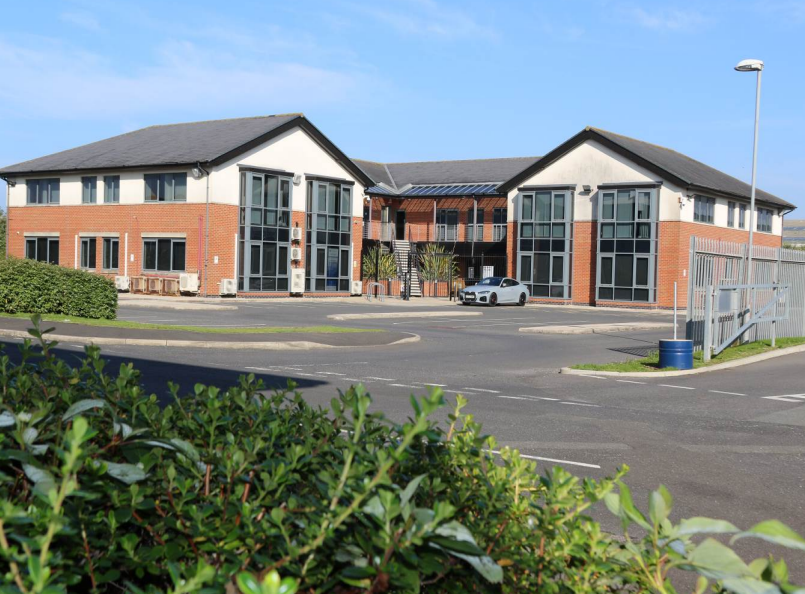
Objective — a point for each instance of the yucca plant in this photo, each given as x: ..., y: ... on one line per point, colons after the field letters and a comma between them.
x: 435, y: 264
x: 387, y: 265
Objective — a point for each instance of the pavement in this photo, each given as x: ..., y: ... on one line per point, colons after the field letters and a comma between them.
x: 728, y: 444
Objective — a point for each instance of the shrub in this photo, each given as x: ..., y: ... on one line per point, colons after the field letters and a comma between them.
x: 437, y: 264
x: 27, y: 286
x: 103, y: 490
x: 386, y: 266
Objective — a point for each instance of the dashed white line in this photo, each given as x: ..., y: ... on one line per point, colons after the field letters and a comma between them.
x: 597, y: 377
x: 798, y: 398
x: 541, y: 398
x: 676, y: 387
x: 580, y: 404
x: 727, y: 393
x: 481, y: 390
x: 432, y: 384
x: 329, y: 373
x: 569, y: 462
x: 629, y: 382
x: 402, y: 386
x: 514, y: 397
x: 380, y: 379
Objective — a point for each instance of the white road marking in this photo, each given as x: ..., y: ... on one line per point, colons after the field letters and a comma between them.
x: 380, y: 379
x: 541, y: 397
x: 481, y: 390
x: 350, y: 379
x: 514, y: 397
x: 329, y: 373
x: 727, y: 393
x: 676, y: 387
x: 597, y: 377
x: 431, y: 384
x: 798, y: 398
x: 629, y: 382
x: 580, y: 404
x: 570, y: 462
x: 402, y: 386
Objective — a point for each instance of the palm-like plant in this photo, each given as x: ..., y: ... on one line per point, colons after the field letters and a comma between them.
x: 435, y: 264
x: 386, y: 264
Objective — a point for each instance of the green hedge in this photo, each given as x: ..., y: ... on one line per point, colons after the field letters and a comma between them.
x: 103, y: 490
x: 27, y: 286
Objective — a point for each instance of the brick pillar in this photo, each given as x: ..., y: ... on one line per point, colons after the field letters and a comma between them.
x: 585, y: 234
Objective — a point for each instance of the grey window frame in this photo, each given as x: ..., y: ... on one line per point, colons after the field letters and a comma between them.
x: 173, y: 241
x: 111, y: 195
x: 474, y: 224
x: 445, y: 231
x: 89, y: 189
x: 731, y: 214
x: 43, y: 190
x: 265, y: 224
x: 163, y: 194
x: 48, y: 242
x: 318, y: 254
x: 533, y: 246
x: 704, y: 208
x: 610, y: 290
x: 108, y: 252
x: 88, y: 251
x: 742, y: 216
x: 765, y: 220
x: 499, y: 223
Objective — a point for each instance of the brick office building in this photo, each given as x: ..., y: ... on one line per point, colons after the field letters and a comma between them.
x: 601, y: 219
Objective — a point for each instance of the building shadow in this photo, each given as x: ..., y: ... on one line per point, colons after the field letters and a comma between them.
x: 155, y: 375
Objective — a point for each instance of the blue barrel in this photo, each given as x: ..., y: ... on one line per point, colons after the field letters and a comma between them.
x: 676, y: 353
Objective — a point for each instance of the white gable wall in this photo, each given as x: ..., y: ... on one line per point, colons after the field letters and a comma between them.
x: 593, y: 164
x: 295, y: 152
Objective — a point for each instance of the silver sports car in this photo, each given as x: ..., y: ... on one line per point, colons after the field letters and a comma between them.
x: 493, y: 290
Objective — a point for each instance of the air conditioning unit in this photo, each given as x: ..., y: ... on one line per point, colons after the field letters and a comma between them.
x: 296, y: 254
x: 228, y: 286
x: 188, y: 283
x: 298, y: 280
x: 357, y: 288
x: 296, y: 234
x: 122, y: 283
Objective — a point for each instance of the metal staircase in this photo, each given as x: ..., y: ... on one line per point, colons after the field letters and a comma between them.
x: 402, y: 255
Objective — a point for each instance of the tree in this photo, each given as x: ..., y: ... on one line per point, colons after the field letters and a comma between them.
x: 2, y: 234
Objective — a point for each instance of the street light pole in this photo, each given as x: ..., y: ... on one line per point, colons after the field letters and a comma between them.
x: 752, y: 66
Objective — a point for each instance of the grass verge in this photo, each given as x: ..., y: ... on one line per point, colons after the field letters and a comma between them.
x: 651, y: 363
x: 199, y: 329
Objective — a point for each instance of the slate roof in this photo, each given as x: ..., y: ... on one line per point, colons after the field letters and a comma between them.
x: 470, y: 171
x: 171, y: 144
x: 694, y: 172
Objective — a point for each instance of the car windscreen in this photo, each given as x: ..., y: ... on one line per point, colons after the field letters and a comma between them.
x: 492, y: 281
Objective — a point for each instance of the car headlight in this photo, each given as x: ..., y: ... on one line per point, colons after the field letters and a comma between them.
x: 484, y: 292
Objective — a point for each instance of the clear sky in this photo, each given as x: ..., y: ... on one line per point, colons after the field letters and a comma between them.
x: 402, y: 80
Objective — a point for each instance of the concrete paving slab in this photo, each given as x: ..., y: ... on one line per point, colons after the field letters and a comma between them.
x: 597, y: 328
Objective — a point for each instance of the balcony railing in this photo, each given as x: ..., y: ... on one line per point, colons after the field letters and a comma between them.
x: 471, y: 232
x: 498, y: 232
x: 446, y: 232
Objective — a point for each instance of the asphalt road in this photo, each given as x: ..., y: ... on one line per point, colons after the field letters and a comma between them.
x: 727, y: 444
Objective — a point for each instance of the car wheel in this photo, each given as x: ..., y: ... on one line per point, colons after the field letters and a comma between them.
x: 523, y: 299
x: 493, y: 299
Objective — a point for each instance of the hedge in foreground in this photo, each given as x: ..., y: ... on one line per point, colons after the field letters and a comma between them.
x: 28, y: 286
x: 105, y: 491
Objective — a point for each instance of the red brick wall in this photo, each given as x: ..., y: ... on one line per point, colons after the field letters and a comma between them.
x: 69, y: 221
x: 674, y: 254
x: 511, y: 249
x: 584, y: 261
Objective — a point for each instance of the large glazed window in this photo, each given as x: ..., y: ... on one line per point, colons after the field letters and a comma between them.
x: 328, y: 260
x: 43, y: 249
x: 88, y: 250
x: 164, y: 255
x: 545, y: 244
x: 627, y: 245
x: 265, y: 239
x: 447, y: 224
x: 42, y: 191
x: 165, y: 187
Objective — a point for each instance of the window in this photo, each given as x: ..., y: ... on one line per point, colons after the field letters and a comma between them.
x: 742, y: 217
x: 43, y: 191
x: 328, y: 262
x: 111, y: 251
x: 627, y: 245
x: 265, y: 241
x: 764, y: 219
x: 89, y: 189
x: 446, y: 224
x: 43, y: 249
x: 730, y: 214
x: 499, y: 224
x: 545, y: 243
x: 165, y: 187
x: 111, y: 189
x: 475, y: 231
x: 164, y: 255
x: 703, y: 209
x: 88, y: 249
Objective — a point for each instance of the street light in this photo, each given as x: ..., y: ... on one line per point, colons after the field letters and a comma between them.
x: 752, y: 66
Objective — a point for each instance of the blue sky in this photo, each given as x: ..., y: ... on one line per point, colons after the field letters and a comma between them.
x: 402, y: 80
